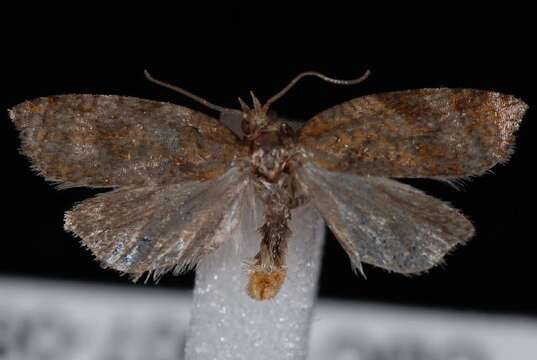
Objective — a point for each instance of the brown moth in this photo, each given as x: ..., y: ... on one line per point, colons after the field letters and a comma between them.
x: 179, y: 177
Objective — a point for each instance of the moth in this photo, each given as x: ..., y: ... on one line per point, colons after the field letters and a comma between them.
x: 179, y: 178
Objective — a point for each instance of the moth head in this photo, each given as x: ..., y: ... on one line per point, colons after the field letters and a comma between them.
x: 253, y: 119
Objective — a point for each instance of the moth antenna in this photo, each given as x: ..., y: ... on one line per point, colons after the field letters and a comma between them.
x: 316, y: 74
x: 187, y: 94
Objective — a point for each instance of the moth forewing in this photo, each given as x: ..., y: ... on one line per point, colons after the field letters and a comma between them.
x: 437, y: 133
x: 383, y: 222
x: 103, y: 141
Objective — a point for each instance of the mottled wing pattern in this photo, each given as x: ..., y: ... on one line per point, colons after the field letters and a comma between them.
x: 383, y: 222
x: 101, y: 141
x: 438, y: 133
x: 157, y: 229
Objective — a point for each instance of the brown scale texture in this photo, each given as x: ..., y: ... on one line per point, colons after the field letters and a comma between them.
x: 268, y: 272
x: 265, y: 285
x: 182, y: 176
x: 441, y: 133
x: 100, y: 141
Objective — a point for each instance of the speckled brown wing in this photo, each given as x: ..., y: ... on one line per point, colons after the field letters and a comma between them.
x: 158, y: 229
x: 101, y: 141
x: 383, y: 222
x: 438, y: 133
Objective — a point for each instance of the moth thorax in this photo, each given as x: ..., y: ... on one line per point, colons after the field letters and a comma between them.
x: 265, y: 284
x: 270, y: 163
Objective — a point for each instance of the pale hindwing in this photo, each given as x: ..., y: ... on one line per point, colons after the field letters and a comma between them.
x: 383, y: 222
x: 101, y: 141
x: 158, y: 229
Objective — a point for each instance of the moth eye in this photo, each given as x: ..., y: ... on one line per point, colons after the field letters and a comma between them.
x: 245, y: 125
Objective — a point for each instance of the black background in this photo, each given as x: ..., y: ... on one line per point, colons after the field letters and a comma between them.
x: 222, y: 53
